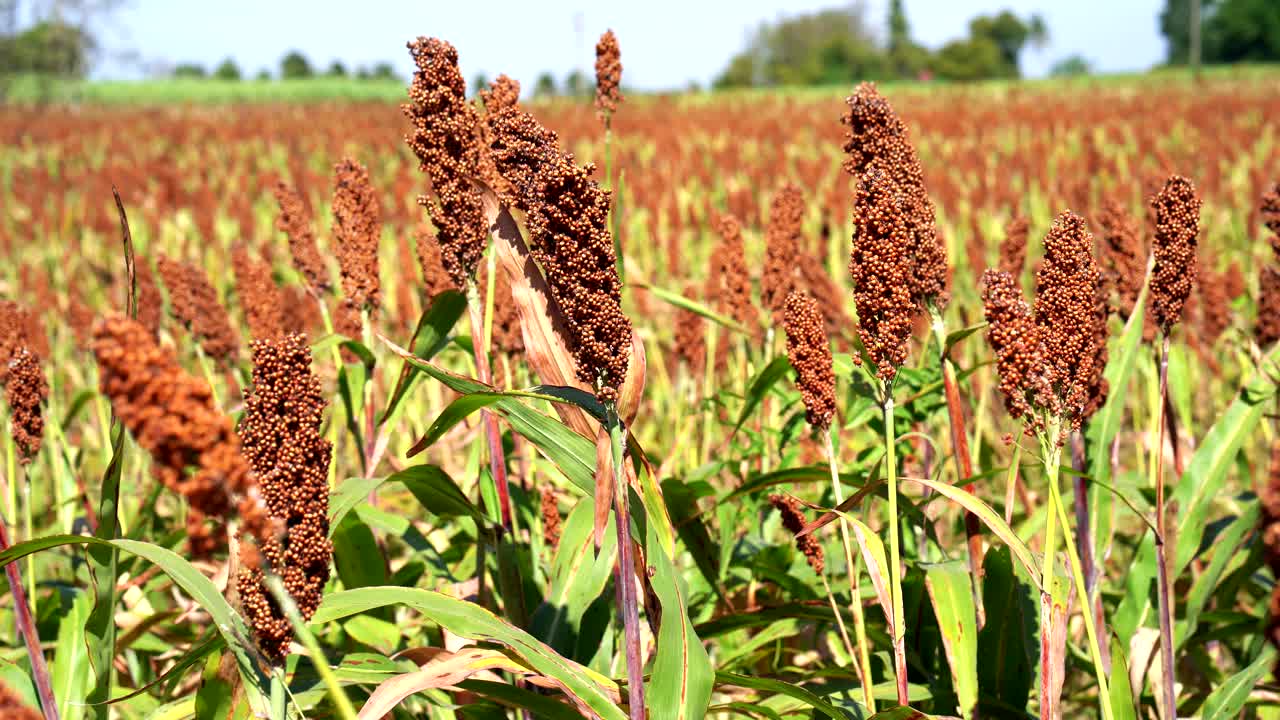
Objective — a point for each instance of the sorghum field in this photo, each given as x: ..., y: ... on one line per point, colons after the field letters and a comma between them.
x: 910, y: 402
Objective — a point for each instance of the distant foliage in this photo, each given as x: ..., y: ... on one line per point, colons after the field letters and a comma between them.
x: 1230, y: 31
x: 295, y: 65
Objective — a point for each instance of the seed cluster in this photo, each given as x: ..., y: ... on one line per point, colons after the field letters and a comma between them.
x: 1267, y: 329
x: 1068, y: 316
x: 357, y: 228
x: 1123, y: 257
x: 25, y: 390
x: 281, y: 438
x: 729, y: 284
x: 1013, y: 248
x: 445, y: 137
x: 793, y: 520
x: 435, y: 278
x: 810, y: 354
x: 880, y: 267
x: 13, y: 334
x: 259, y: 296
x: 194, y: 303
x: 1215, y: 304
x: 819, y: 283
x: 150, y: 304
x: 13, y: 708
x: 608, y: 76
x: 1015, y: 338
x: 295, y: 222
x: 550, y: 518
x: 502, y: 93
x: 782, y: 241
x: 567, y: 218
x: 691, y: 338
x: 876, y: 138
x: 170, y: 413
x: 1270, y: 209
x: 1177, y: 223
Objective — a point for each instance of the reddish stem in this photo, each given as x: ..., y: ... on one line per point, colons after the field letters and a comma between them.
x: 497, y: 461
x: 1162, y: 560
x: 964, y: 465
x: 27, y: 626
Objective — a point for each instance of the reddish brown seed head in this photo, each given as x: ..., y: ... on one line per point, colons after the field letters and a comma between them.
x: 880, y: 267
x: 259, y: 296
x: 296, y: 223
x: 1269, y: 530
x: 1067, y: 314
x: 1015, y: 338
x: 445, y: 136
x: 730, y: 279
x: 1270, y: 209
x: 608, y: 76
x: 793, y: 520
x: 690, y: 342
x: 567, y: 217
x: 357, y: 229
x: 1123, y: 257
x: 1013, y: 248
x: 26, y: 390
x: 13, y: 708
x: 194, y: 303
x: 831, y: 299
x: 550, y: 518
x: 782, y: 242
x: 1177, y: 223
x: 1097, y: 388
x: 281, y: 438
x: 1267, y: 327
x: 13, y: 334
x: 435, y: 279
x: 502, y: 93
x: 810, y: 354
x: 150, y: 303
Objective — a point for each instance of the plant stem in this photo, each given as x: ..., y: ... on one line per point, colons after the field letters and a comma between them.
x: 1051, y: 670
x: 628, y: 604
x: 497, y: 461
x: 1011, y: 483
x: 855, y: 596
x: 1162, y: 560
x: 340, y: 700
x: 895, y: 552
x: 27, y: 626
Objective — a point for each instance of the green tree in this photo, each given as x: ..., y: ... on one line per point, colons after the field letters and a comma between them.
x: 1010, y: 34
x: 974, y: 58
x: 227, y: 70
x: 575, y: 84
x: 479, y: 82
x: 1175, y: 25
x: 1243, y: 31
x: 336, y: 69
x: 905, y: 56
x: 1071, y: 66
x: 190, y: 70
x: 47, y: 48
x: 826, y: 47
x: 545, y: 85
x: 295, y: 65
x: 384, y: 71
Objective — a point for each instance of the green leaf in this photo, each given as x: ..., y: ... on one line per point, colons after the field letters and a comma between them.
x: 1122, y: 704
x: 682, y: 504
x: 902, y: 712
x: 437, y: 492
x: 956, y: 336
x: 1226, y: 701
x: 951, y: 591
x: 1009, y: 643
x: 1194, y: 494
x: 429, y: 338
x: 101, y: 625
x: 768, y: 376
x: 356, y: 554
x: 1226, y: 546
x: 783, y: 688
x: 540, y: 705
x: 693, y: 306
x: 70, y: 668
x: 347, y: 495
x: 680, y: 686
x: 579, y: 575
x: 469, y: 403
x: 471, y: 621
x: 991, y: 519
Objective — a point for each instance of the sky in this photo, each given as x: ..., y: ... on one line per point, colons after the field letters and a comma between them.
x: 666, y: 44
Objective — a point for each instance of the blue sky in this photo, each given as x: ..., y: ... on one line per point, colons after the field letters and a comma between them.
x: 665, y: 43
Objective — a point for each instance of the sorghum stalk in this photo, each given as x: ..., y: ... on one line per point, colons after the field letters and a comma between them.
x: 628, y: 603
x: 855, y: 591
x: 895, y: 553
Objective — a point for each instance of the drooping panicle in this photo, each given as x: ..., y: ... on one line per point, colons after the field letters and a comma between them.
x: 25, y: 391
x: 446, y: 138
x: 357, y: 228
x: 782, y: 242
x: 567, y: 217
x: 1177, y: 223
x: 170, y: 413
x: 1067, y: 314
x: 876, y: 138
x: 259, y: 296
x: 1013, y: 248
x: 793, y: 520
x: 608, y: 76
x: 296, y: 223
x: 281, y: 438
x: 1015, y: 338
x: 810, y: 354
x: 880, y: 267
x: 194, y: 302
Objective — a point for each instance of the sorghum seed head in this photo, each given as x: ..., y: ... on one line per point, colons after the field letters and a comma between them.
x: 1177, y: 223
x: 1013, y: 249
x: 880, y: 267
x: 446, y: 138
x: 1270, y: 209
x: 150, y: 303
x: 259, y: 296
x: 608, y: 76
x: 810, y: 354
x: 357, y: 228
x: 435, y: 278
x: 1015, y: 338
x: 1123, y: 257
x: 295, y: 222
x: 793, y: 520
x: 1267, y: 329
x: 691, y: 338
x: 782, y: 242
x: 194, y: 302
x: 730, y: 280
x: 1269, y: 529
x: 502, y: 93
x: 26, y: 390
x: 13, y: 334
x: 13, y: 708
x: 819, y: 283
x: 550, y: 518
x: 281, y: 438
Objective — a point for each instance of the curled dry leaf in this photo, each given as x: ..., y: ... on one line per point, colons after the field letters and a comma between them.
x: 632, y: 390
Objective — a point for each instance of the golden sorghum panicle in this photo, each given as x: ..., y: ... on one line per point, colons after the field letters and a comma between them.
x: 357, y: 228
x: 1269, y: 499
x: 1066, y: 312
x: 880, y: 266
x: 1177, y: 223
x: 793, y: 521
x: 502, y: 93
x: 259, y: 296
x: 194, y: 303
x: 445, y: 137
x: 810, y: 354
x: 877, y: 138
x: 729, y: 277
x: 1124, y: 260
x: 782, y: 242
x: 1015, y: 338
x: 434, y: 277
x: 608, y: 76
x: 568, y: 221
x: 170, y: 413
x: 281, y: 437
x: 1013, y: 249
x: 25, y: 390
x: 150, y: 303
x: 550, y: 518
x: 295, y: 222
